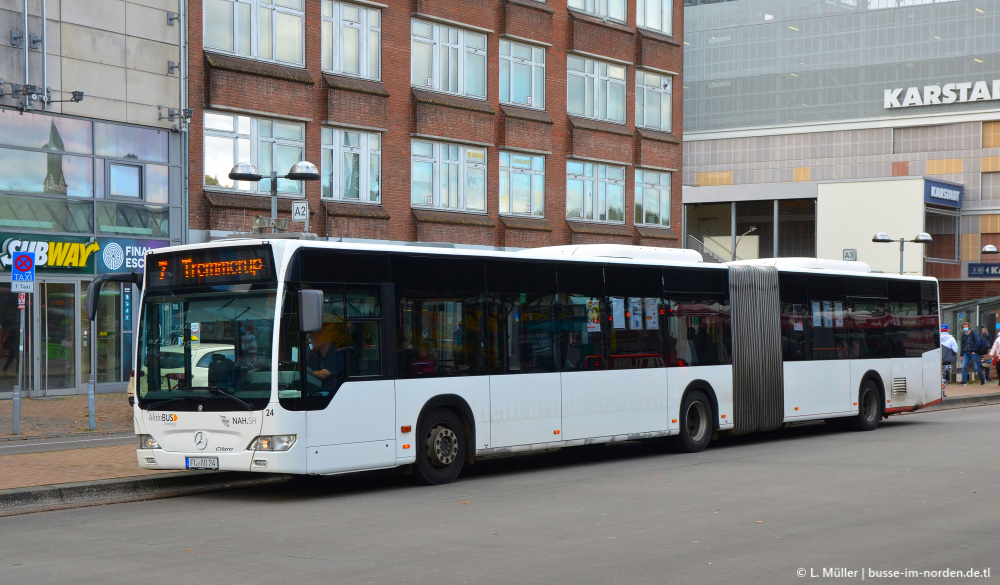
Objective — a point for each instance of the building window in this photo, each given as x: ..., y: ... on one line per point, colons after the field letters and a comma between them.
x: 268, y: 144
x: 652, y: 198
x: 522, y: 184
x: 352, y: 165
x: 448, y: 176
x: 272, y: 30
x: 609, y: 9
x: 125, y: 180
x: 596, y: 89
x: 656, y: 15
x: 447, y: 59
x: 595, y: 192
x: 652, y: 100
x: 522, y: 75
x: 351, y: 39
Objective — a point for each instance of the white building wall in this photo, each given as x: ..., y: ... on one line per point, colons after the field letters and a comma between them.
x: 849, y: 214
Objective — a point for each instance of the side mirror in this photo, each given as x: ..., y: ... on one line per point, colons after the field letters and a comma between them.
x: 310, y: 310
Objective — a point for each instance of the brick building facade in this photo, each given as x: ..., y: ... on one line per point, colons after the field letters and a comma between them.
x: 364, y: 115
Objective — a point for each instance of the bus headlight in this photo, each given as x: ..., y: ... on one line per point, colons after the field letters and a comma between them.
x: 148, y: 442
x: 272, y: 443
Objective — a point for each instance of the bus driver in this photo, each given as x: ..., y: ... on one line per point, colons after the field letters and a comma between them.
x: 325, y: 362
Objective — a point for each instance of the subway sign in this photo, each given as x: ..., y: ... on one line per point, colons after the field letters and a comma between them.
x: 949, y: 93
x: 64, y: 253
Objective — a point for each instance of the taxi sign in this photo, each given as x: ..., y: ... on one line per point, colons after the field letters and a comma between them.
x: 22, y: 275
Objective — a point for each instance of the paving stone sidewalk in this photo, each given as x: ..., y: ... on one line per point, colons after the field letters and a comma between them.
x: 65, y: 415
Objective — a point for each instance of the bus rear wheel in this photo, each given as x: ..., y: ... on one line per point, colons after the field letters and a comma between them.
x: 696, y: 422
x: 869, y: 407
x: 442, y: 448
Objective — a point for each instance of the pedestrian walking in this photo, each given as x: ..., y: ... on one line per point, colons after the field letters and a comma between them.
x: 994, y: 356
x: 949, y: 349
x: 970, y: 353
x: 985, y: 344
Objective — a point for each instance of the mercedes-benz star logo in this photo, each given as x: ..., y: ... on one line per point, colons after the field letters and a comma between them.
x: 200, y: 440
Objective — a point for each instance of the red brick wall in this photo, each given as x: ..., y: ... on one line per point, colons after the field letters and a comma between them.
x: 526, y: 134
x: 401, y: 115
x: 350, y: 107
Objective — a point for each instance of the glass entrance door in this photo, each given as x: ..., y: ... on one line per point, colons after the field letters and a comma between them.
x: 10, y: 323
x: 59, y: 336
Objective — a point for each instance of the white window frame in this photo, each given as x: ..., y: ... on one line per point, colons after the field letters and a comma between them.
x: 535, y: 64
x: 663, y: 93
x: 441, y: 38
x: 508, y: 168
x: 666, y: 16
x: 462, y: 164
x: 603, y: 77
x: 248, y: 145
x: 642, y: 184
x: 369, y: 150
x: 598, y: 199
x: 256, y: 8
x: 602, y: 8
x: 334, y: 23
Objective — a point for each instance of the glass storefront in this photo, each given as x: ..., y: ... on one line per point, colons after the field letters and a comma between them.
x: 79, y: 193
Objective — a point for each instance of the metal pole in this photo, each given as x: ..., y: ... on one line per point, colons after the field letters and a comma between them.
x: 26, y: 41
x: 20, y: 364
x: 93, y: 373
x: 274, y: 201
x: 901, y: 240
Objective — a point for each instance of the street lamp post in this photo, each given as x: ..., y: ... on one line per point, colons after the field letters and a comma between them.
x: 921, y: 238
x: 740, y: 239
x: 300, y: 171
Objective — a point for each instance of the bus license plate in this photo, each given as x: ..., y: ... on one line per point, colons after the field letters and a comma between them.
x: 202, y: 462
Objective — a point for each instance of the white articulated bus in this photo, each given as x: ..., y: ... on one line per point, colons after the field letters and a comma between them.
x: 305, y: 357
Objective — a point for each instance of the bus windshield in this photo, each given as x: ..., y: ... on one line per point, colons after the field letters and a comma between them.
x: 206, y: 350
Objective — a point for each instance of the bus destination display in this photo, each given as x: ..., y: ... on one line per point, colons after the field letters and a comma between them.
x: 212, y: 267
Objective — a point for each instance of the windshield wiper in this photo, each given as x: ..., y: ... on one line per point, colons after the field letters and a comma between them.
x: 218, y: 390
x: 156, y: 405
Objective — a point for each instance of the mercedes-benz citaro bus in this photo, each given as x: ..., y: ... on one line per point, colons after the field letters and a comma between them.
x: 330, y: 358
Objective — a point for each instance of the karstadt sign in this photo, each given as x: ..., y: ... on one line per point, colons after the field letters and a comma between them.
x: 949, y: 93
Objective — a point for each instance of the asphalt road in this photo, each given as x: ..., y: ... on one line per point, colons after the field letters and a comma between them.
x: 920, y: 493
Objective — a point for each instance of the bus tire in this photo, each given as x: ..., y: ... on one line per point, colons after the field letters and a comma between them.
x: 696, y: 422
x: 869, y: 407
x: 442, y: 448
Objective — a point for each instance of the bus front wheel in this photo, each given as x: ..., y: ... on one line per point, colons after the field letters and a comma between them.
x: 696, y: 422
x: 442, y: 449
x: 869, y: 407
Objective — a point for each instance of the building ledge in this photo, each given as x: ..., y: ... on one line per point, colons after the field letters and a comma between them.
x: 533, y: 5
x: 525, y: 114
x: 656, y: 233
x: 525, y: 223
x: 356, y: 85
x: 598, y: 126
x: 452, y: 218
x: 658, y: 135
x: 365, y: 210
x: 452, y: 101
x: 260, y: 202
x: 600, y: 229
x: 582, y: 17
x: 258, y: 68
x: 656, y: 36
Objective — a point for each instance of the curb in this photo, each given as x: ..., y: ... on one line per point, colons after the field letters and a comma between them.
x: 961, y: 402
x: 129, y: 489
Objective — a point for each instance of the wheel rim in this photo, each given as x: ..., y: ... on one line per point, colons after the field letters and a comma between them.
x: 697, y: 421
x: 868, y: 406
x: 442, y: 446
